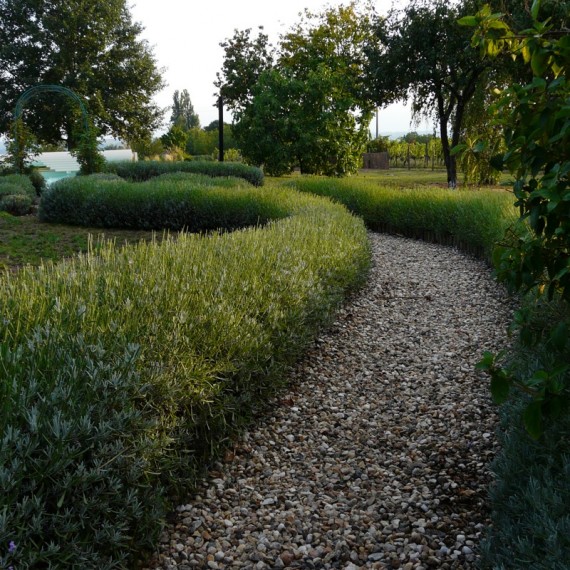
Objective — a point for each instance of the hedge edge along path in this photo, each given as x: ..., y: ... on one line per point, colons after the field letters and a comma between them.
x: 123, y: 373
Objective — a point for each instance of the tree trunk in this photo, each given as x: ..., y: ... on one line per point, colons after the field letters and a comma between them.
x: 457, y: 121
x: 450, y: 162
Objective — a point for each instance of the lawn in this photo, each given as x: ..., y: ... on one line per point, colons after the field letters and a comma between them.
x: 26, y: 241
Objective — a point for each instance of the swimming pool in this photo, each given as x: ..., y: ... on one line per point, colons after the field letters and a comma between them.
x: 51, y: 176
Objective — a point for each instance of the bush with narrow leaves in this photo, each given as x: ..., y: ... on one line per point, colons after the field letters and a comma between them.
x: 123, y: 373
x: 472, y: 221
x: 173, y: 201
x: 16, y: 204
x: 144, y: 170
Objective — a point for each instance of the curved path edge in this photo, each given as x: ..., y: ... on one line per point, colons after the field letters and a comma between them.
x: 378, y: 455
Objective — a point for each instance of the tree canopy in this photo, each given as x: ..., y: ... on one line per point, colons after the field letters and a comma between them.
x: 245, y: 59
x: 90, y: 47
x: 183, y: 114
x: 302, y: 103
x: 423, y: 53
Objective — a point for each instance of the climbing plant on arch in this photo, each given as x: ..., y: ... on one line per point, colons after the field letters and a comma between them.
x: 87, y: 155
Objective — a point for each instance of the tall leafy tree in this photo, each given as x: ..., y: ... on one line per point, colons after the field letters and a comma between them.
x: 90, y: 47
x: 309, y: 108
x: 183, y: 114
x: 246, y: 58
x: 422, y: 53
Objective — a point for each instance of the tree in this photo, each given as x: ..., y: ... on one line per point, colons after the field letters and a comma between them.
x: 245, y: 60
x: 309, y: 107
x: 183, y: 114
x: 265, y: 126
x: 535, y: 120
x: 422, y: 53
x: 90, y: 47
x: 175, y: 138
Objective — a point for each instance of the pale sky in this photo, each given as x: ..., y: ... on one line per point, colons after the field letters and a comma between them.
x: 185, y: 37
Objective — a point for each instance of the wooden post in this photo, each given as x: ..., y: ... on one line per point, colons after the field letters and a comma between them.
x: 221, y: 129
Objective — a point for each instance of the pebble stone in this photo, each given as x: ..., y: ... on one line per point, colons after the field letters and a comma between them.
x: 377, y: 456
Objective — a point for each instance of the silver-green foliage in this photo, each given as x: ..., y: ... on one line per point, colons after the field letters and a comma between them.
x: 172, y: 201
x: 473, y: 221
x: 17, y: 194
x: 147, y: 169
x: 123, y: 371
x: 18, y: 184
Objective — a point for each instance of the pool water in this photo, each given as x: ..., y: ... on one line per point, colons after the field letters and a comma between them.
x: 52, y: 176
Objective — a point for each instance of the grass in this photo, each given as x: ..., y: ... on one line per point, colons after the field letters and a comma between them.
x: 404, y: 178
x: 27, y: 241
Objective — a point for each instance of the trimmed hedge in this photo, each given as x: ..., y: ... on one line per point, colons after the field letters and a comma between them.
x: 146, y: 169
x: 17, y: 184
x: 174, y: 201
x: 472, y: 221
x: 124, y: 372
x: 530, y: 497
x: 17, y: 194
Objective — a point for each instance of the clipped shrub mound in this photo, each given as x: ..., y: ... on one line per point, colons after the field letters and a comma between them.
x: 17, y: 194
x: 472, y: 221
x: 123, y: 372
x: 17, y: 184
x: 16, y: 204
x: 174, y: 201
x: 144, y: 170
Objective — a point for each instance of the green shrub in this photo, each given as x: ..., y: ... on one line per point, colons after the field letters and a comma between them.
x: 104, y: 176
x: 124, y: 372
x: 530, y: 518
x: 16, y: 204
x: 75, y: 456
x: 38, y: 181
x: 530, y: 497
x: 144, y: 170
x: 201, y: 158
x: 473, y: 221
x: 21, y: 182
x: 172, y: 201
x: 10, y: 189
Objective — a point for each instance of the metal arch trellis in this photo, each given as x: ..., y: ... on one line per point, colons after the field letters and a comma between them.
x: 37, y: 89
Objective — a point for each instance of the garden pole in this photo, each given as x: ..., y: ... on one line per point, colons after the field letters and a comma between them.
x: 221, y: 129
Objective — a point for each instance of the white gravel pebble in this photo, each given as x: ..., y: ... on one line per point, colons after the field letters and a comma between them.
x: 377, y: 457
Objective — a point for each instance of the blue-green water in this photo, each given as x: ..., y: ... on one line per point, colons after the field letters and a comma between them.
x: 52, y: 177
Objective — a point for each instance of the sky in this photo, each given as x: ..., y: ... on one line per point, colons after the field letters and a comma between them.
x: 185, y: 38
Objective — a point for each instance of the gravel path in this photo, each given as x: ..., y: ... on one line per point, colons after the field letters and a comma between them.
x: 377, y: 456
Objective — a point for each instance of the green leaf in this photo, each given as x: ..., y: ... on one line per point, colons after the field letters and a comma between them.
x: 534, y: 9
x: 539, y: 63
x: 457, y: 149
x: 470, y: 21
x: 499, y: 387
x: 486, y: 363
x: 497, y: 25
x: 532, y: 419
x: 539, y: 378
x: 481, y: 146
x: 559, y: 336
